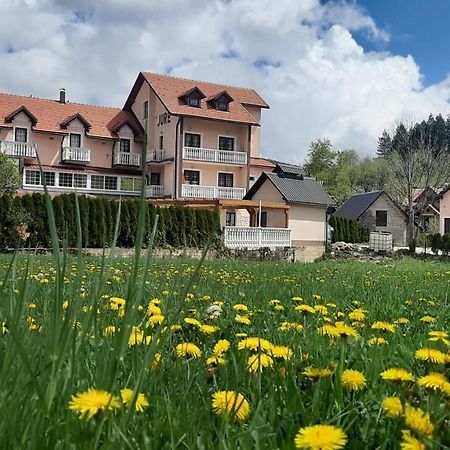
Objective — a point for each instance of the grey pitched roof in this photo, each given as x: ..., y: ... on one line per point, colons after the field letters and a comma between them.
x: 357, y: 204
x: 294, y: 190
x: 289, y: 169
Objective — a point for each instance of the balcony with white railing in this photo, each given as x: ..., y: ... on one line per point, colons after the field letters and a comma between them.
x: 154, y: 191
x: 76, y: 155
x: 18, y: 149
x: 255, y: 237
x: 215, y: 156
x: 197, y: 191
x: 155, y: 155
x: 127, y: 159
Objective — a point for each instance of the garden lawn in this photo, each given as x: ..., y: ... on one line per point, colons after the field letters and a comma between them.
x: 112, y: 354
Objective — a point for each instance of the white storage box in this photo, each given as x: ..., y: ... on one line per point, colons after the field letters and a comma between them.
x: 380, y: 241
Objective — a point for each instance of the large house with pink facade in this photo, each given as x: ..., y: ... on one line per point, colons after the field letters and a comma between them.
x: 197, y: 143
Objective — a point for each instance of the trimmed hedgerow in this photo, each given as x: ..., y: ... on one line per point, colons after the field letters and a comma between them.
x: 177, y: 227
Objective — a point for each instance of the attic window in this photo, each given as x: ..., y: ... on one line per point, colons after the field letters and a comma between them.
x: 193, y: 99
x: 222, y: 105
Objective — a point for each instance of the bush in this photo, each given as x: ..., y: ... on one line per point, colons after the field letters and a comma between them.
x: 177, y: 226
x: 348, y: 230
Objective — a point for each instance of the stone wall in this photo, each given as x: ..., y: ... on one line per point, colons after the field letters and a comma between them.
x: 396, y: 220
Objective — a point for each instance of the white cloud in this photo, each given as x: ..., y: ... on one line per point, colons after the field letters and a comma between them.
x: 317, y: 79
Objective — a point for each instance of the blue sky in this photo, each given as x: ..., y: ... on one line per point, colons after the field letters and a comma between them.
x: 420, y: 28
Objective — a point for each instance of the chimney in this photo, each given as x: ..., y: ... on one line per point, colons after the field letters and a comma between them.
x: 62, y: 95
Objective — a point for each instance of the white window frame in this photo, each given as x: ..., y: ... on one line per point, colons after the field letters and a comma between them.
x: 227, y: 136
x: 193, y: 132
x: 25, y: 127
x: 199, y: 175
x: 232, y: 173
x: 81, y: 139
x: 128, y: 139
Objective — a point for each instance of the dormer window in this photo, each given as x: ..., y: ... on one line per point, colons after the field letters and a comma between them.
x: 222, y: 105
x: 125, y: 145
x: 193, y: 101
x: 193, y: 97
x: 220, y: 101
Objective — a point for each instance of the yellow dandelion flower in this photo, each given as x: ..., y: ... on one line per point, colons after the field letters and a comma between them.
x: 255, y: 343
x: 208, y: 329
x: 274, y: 302
x: 242, y: 319
x: 141, y: 401
x: 116, y: 303
x: 383, y: 326
x: 153, y: 310
x: 192, y: 321
x: 88, y: 404
x: 418, y: 420
x: 109, y: 330
x: 409, y: 442
x: 154, y: 364
x: 392, y: 407
x: 402, y: 321
x: 435, y: 381
x: 314, y: 372
x: 357, y: 315
x: 137, y: 337
x: 329, y: 330
x: 377, y: 341
x: 345, y: 330
x: 439, y: 336
x: 280, y: 352
x: 395, y: 374
x: 297, y: 299
x: 427, y: 319
x: 320, y: 437
x: 430, y: 354
x: 188, y: 349
x: 353, y: 380
x: 240, y: 307
x: 175, y: 328
x: 321, y: 309
x: 258, y: 362
x: 221, y: 347
x: 155, y: 320
x: 215, y: 360
x: 305, y: 309
x: 279, y: 308
x: 231, y: 403
x: 286, y: 326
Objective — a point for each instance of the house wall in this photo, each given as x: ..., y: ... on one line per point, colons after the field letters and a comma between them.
x: 255, y: 111
x: 396, y: 220
x: 444, y: 209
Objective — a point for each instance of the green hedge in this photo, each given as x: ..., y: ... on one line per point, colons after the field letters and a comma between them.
x: 348, y: 230
x: 436, y: 242
x: 178, y: 226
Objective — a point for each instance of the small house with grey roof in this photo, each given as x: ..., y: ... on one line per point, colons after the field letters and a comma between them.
x: 378, y: 212
x: 307, y: 200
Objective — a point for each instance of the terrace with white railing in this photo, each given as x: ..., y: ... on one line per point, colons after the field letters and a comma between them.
x: 154, y: 191
x: 256, y: 237
x: 18, y: 149
x: 198, y: 191
x: 127, y: 159
x: 76, y: 154
x: 155, y: 155
x: 214, y: 155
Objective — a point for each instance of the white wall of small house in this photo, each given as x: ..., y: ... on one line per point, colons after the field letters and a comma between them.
x: 308, y: 224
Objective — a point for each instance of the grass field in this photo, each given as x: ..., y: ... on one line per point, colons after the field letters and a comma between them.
x: 179, y: 335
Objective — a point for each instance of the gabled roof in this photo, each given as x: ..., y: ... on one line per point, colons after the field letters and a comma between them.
x: 357, y: 204
x: 49, y: 114
x: 220, y: 94
x: 169, y: 89
x: 23, y: 109
x: 294, y: 190
x: 78, y: 116
x: 189, y: 91
x: 289, y: 169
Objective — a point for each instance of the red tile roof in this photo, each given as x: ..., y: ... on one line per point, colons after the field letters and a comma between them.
x: 261, y: 162
x: 169, y: 90
x: 51, y: 114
